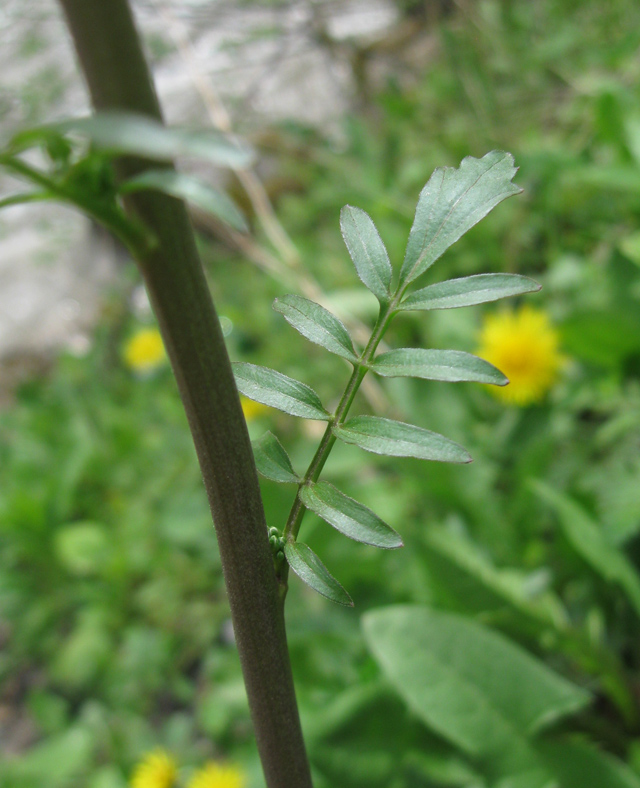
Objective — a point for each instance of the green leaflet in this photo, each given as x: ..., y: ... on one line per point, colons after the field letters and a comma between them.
x: 272, y: 461
x: 448, y: 365
x: 310, y: 569
x: 367, y: 251
x: 278, y: 391
x: 194, y: 191
x: 461, y: 679
x: 397, y: 439
x: 138, y: 135
x: 469, y: 291
x: 351, y: 518
x: 316, y: 324
x: 451, y: 203
x: 589, y: 542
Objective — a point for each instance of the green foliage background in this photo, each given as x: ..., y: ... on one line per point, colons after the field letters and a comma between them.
x: 113, y: 619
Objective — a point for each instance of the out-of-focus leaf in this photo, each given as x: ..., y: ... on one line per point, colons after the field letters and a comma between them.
x: 193, y: 190
x: 448, y: 365
x: 397, y: 439
x: 139, y: 135
x: 316, y: 324
x: 451, y: 203
x: 577, y: 764
x: 309, y: 568
x: 461, y: 679
x: 272, y: 461
x: 588, y: 540
x: 468, y: 291
x: 367, y: 251
x: 19, y: 199
x: 278, y: 391
x: 351, y: 518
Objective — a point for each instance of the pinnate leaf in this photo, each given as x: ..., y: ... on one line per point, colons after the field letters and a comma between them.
x: 468, y: 291
x: 451, y: 203
x: 272, y: 388
x: 367, y: 251
x: 272, y: 461
x: 194, y: 191
x: 397, y: 439
x: 139, y: 135
x: 448, y: 365
x: 316, y: 324
x: 310, y: 569
x: 461, y: 679
x: 351, y: 518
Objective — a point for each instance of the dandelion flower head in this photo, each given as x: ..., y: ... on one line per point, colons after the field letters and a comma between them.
x: 144, y: 351
x: 156, y: 770
x: 217, y: 775
x: 524, y: 346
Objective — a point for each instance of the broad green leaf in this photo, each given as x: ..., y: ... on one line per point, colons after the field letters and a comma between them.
x: 316, y: 324
x: 468, y: 291
x: 272, y: 388
x: 449, y: 365
x: 396, y: 439
x: 351, y: 518
x: 367, y: 251
x: 309, y: 568
x: 588, y: 540
x: 577, y: 764
x: 139, y: 135
x: 471, y: 685
x: 451, y: 203
x: 272, y: 461
x: 194, y: 191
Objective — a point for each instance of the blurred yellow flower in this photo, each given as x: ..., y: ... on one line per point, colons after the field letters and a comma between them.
x: 252, y: 410
x: 217, y: 775
x: 156, y: 770
x: 144, y: 351
x: 524, y: 345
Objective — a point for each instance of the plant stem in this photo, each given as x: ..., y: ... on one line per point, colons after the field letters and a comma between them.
x: 116, y: 72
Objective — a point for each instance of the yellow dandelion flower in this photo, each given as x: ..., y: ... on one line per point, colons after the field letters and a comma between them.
x: 156, y: 770
x: 524, y: 345
x: 144, y: 351
x: 252, y: 410
x: 217, y: 775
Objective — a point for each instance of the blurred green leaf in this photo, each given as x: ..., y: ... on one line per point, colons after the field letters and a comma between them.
x: 278, y: 391
x: 316, y: 324
x: 82, y: 548
x: 367, y: 251
x: 577, y: 764
x: 310, y: 569
x: 461, y: 680
x: 588, y: 540
x: 351, y: 518
x: 138, y: 135
x: 451, y: 203
x: 272, y: 461
x: 447, y: 365
x: 469, y: 291
x: 59, y: 762
x: 396, y: 439
x: 191, y: 189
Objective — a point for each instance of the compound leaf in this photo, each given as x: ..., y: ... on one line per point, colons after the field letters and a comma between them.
x: 316, y: 324
x: 351, y: 518
x: 272, y: 388
x: 448, y: 365
x: 397, y: 439
x: 310, y: 569
x: 451, y: 203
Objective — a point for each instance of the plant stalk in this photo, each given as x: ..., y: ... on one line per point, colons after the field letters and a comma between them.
x: 110, y: 53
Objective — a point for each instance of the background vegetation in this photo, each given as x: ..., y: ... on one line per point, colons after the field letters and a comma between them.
x: 113, y: 619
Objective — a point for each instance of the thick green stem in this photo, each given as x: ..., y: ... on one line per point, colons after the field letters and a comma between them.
x: 118, y: 78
